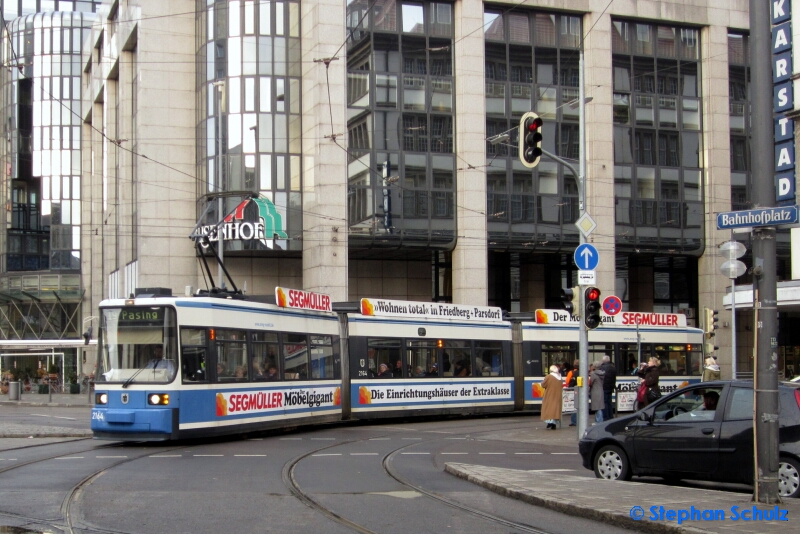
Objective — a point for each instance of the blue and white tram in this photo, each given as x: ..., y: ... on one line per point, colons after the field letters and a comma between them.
x: 439, y: 359
x: 182, y: 367
x: 227, y: 366
x: 627, y: 338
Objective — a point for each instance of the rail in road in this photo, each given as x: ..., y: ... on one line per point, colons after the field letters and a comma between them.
x: 396, y: 451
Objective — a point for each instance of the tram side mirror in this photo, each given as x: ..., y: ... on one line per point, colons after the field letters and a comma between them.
x: 87, y: 336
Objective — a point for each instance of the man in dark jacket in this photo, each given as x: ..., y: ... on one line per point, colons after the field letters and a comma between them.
x: 609, y: 385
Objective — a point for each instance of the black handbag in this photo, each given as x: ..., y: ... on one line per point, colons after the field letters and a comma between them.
x: 653, y: 394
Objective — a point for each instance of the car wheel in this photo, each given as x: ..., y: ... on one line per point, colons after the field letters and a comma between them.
x: 789, y: 477
x: 611, y: 463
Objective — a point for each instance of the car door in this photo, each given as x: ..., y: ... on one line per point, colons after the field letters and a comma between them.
x: 736, y: 437
x: 681, y: 436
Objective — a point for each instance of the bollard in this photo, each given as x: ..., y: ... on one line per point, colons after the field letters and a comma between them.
x: 13, y: 391
x: 49, y: 392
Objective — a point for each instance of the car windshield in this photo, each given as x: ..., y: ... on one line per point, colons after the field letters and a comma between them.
x: 139, y: 344
x: 696, y: 404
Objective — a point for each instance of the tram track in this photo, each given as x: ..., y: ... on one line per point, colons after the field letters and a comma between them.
x: 386, y: 463
x: 67, y: 521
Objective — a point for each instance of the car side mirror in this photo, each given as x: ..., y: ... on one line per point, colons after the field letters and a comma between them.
x: 644, y: 416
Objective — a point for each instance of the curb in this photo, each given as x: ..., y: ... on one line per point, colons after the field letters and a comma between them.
x: 546, y: 501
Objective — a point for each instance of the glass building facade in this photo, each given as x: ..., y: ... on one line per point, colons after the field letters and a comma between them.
x: 40, y: 257
x: 658, y: 164
x: 249, y: 110
x: 400, y: 110
x: 531, y: 65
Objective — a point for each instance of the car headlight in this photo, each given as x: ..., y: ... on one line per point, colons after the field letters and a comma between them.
x: 101, y: 398
x: 157, y: 399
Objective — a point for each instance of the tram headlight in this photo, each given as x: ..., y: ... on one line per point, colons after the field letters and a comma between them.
x: 158, y: 399
x: 101, y: 398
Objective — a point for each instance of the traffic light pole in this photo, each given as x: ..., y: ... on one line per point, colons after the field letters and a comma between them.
x: 583, y: 338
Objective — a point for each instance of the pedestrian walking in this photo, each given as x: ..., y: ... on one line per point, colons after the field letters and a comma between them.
x: 649, y: 390
x: 596, y: 380
x: 609, y: 386
x: 553, y: 398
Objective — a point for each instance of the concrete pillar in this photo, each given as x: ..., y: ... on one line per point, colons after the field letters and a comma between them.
x: 600, y: 145
x: 716, y: 161
x: 470, y: 262
x: 324, y: 158
x: 166, y: 111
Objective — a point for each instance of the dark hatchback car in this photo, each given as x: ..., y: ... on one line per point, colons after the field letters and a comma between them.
x: 700, y: 432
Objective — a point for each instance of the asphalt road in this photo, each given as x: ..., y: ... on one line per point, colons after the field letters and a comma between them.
x: 383, y: 478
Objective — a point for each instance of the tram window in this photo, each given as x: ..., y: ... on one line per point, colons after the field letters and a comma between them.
x: 422, y: 358
x: 265, y: 337
x: 597, y: 351
x: 672, y: 358
x: 265, y: 361
x: 384, y: 351
x: 295, y: 356
x: 232, y: 365
x: 321, y: 349
x: 558, y: 354
x: 680, y: 360
x: 488, y: 358
x: 457, y: 359
x: 193, y: 354
x: 630, y: 355
x: 694, y: 361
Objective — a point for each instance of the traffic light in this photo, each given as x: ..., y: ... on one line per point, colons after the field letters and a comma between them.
x: 710, y: 320
x: 591, y: 307
x: 570, y: 300
x: 710, y: 347
x: 530, y: 139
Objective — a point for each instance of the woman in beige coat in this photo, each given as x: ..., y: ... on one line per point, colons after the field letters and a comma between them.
x: 551, y: 402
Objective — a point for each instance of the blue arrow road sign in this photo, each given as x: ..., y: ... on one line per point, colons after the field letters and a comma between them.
x: 762, y: 217
x: 586, y: 257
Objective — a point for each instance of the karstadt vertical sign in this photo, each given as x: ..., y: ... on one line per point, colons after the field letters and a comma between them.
x: 783, y: 100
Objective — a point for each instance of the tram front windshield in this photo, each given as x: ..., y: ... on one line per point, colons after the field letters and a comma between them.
x: 139, y: 345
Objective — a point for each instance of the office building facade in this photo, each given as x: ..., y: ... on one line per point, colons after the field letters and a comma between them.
x: 368, y: 148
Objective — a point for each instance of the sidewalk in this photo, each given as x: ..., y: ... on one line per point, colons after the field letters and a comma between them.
x: 58, y: 399
x: 15, y: 435
x: 612, y: 502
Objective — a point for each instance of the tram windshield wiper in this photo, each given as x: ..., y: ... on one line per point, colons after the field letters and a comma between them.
x: 129, y: 381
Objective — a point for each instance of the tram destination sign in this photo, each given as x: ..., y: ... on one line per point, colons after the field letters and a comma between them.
x: 761, y: 217
x: 141, y: 316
